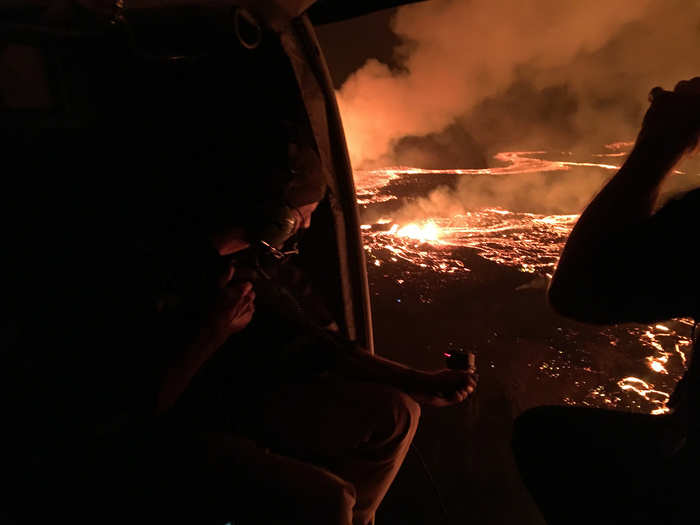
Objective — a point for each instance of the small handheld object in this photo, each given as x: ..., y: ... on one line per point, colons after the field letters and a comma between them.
x: 279, y: 225
x: 460, y: 361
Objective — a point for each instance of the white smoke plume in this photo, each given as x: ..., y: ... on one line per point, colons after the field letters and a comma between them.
x: 607, y: 54
x: 531, y: 192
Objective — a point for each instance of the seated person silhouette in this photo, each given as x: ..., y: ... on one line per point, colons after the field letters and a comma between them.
x: 337, y: 420
x: 586, y: 465
x: 165, y: 373
x: 156, y: 368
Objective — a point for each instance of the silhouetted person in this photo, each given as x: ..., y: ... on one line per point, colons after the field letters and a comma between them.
x: 126, y: 233
x: 286, y: 423
x: 627, y: 261
x: 340, y: 419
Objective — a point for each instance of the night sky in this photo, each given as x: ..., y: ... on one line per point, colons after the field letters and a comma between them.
x: 348, y: 44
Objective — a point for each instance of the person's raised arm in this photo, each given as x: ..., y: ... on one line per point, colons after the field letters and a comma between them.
x: 590, y: 282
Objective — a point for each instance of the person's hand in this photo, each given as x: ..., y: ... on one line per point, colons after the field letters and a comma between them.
x: 444, y: 387
x: 673, y: 119
x: 232, y: 309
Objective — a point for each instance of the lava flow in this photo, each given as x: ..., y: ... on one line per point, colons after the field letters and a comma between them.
x: 530, y: 243
x: 527, y: 241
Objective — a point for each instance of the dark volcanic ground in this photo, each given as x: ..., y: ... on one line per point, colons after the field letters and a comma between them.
x: 467, y: 448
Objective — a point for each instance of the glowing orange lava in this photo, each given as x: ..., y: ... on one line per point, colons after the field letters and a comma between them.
x: 426, y: 232
x: 368, y: 182
x: 527, y: 241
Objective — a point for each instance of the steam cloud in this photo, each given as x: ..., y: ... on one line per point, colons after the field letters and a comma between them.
x: 587, y: 67
x: 531, y: 192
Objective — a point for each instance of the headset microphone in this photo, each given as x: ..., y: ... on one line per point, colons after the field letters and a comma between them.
x: 280, y: 225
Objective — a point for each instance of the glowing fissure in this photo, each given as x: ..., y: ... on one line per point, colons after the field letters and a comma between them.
x: 526, y: 241
x: 368, y: 182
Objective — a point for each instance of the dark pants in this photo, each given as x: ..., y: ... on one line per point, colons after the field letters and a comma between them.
x: 591, y: 466
x: 345, y: 439
x: 352, y: 435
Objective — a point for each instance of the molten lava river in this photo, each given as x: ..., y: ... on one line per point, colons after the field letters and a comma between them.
x: 450, y: 270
